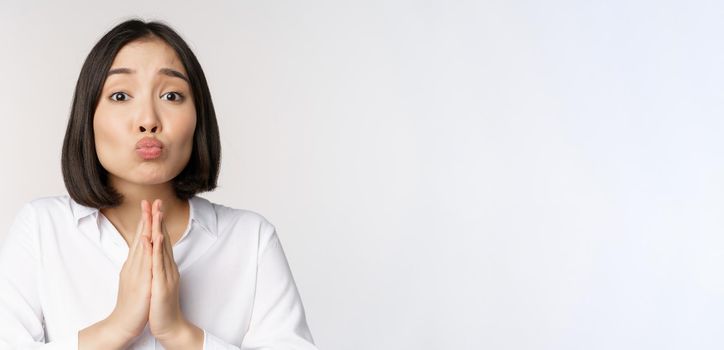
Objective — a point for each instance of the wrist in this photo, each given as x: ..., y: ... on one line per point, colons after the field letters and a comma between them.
x: 185, y: 336
x: 116, y: 333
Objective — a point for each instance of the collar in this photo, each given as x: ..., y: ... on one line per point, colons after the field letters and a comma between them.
x: 202, y: 213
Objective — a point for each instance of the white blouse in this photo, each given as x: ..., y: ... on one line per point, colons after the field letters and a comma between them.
x: 60, y: 264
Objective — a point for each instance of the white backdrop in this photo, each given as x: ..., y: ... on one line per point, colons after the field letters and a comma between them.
x: 442, y: 174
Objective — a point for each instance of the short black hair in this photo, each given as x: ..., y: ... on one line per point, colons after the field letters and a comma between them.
x: 85, y: 178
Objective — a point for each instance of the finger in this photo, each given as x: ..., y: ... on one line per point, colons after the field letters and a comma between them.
x: 142, y: 259
x: 167, y: 255
x: 144, y: 269
x: 139, y: 228
x: 147, y: 236
x: 156, y: 227
x: 147, y: 256
x: 149, y: 219
x: 158, y: 268
x: 167, y: 236
x: 141, y: 223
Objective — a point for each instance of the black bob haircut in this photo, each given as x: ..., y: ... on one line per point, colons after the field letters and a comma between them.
x: 85, y: 178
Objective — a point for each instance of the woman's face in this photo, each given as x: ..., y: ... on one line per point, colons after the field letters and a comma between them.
x: 144, y: 97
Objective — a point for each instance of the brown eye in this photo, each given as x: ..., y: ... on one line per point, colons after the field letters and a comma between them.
x: 116, y: 94
x: 175, y: 96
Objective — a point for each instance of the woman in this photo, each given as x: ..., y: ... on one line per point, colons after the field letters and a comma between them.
x: 131, y: 257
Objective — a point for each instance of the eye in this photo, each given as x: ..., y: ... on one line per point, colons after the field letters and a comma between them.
x: 118, y: 93
x: 179, y: 96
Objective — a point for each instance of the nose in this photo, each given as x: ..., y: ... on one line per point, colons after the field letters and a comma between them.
x: 148, y: 118
x: 143, y: 128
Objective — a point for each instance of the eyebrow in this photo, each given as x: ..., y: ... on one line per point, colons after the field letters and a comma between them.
x: 165, y: 71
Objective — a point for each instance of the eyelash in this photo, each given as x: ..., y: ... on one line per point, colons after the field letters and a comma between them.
x: 181, y: 96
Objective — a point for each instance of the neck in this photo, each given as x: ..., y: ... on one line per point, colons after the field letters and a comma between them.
x: 127, y: 215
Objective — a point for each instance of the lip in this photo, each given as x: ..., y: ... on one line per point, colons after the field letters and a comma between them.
x: 149, y: 148
x: 148, y: 142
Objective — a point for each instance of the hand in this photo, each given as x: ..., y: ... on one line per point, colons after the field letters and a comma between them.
x: 134, y: 287
x: 165, y: 318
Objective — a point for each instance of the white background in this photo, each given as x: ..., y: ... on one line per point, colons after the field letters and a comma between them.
x: 442, y: 174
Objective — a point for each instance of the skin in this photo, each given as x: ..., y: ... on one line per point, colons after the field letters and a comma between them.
x: 132, y: 106
x: 144, y: 99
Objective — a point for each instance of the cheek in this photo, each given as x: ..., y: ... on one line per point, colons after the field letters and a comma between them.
x: 105, y: 134
x: 188, y: 129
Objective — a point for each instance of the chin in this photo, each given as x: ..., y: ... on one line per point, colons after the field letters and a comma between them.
x: 149, y: 179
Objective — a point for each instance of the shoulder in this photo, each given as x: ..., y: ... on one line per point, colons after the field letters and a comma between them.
x: 53, y: 211
x: 56, y: 205
x: 38, y: 214
x: 226, y: 219
x: 51, y: 202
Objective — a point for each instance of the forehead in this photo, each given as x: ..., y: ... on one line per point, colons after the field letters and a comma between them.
x: 147, y: 55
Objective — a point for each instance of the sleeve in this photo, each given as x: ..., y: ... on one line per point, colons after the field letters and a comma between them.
x: 21, y: 316
x: 278, y: 320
